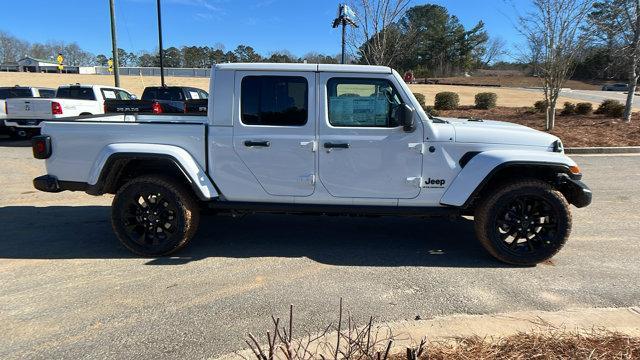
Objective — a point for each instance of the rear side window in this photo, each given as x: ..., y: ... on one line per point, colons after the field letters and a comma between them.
x: 9, y: 93
x: 274, y: 100
x: 78, y: 93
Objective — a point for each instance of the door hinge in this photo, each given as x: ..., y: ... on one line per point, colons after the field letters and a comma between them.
x: 313, y: 145
x: 307, y: 179
x: 415, y: 181
x: 419, y: 147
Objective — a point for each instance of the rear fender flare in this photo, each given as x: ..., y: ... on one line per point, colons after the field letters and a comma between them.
x: 194, y: 173
x: 482, y: 166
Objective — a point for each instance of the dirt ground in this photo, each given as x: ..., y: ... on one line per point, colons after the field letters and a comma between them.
x: 574, y: 130
x: 136, y: 84
x: 508, y: 97
x: 515, y: 81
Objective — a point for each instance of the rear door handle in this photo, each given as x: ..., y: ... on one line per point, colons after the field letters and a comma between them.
x: 329, y: 145
x: 261, y: 143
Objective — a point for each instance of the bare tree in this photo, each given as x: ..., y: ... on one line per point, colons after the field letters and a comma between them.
x: 377, y: 40
x: 12, y: 48
x: 620, y: 19
x: 494, y: 50
x: 554, y: 27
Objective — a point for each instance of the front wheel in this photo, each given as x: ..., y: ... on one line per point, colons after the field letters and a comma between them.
x: 154, y: 216
x: 523, y: 223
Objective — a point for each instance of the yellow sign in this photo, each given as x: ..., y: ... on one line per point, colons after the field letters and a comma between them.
x: 110, y: 64
x: 60, y: 59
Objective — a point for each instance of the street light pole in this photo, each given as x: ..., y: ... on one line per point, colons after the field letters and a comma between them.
x: 114, y: 45
x: 160, y: 45
x: 345, y: 17
x: 344, y: 25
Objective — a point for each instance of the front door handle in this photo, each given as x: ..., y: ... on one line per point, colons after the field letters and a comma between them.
x: 329, y: 145
x: 253, y: 143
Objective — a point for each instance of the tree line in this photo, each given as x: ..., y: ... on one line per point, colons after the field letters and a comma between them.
x: 205, y: 57
x: 13, y: 49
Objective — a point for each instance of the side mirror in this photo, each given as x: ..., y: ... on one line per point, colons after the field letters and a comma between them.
x: 133, y: 97
x: 406, y: 117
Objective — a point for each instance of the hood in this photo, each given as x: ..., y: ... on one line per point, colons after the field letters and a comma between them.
x: 499, y: 132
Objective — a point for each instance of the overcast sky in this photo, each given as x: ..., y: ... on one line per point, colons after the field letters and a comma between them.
x: 268, y: 25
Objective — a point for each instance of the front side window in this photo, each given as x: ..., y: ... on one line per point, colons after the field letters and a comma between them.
x: 123, y: 95
x: 274, y: 100
x: 357, y: 102
x: 47, y: 93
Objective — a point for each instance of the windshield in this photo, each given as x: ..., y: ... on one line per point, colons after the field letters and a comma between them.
x: 9, y: 93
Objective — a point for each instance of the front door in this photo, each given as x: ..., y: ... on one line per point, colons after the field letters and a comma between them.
x: 363, y: 150
x: 274, y: 130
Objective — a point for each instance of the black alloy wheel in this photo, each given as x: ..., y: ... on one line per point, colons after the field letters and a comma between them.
x: 154, y: 216
x: 523, y: 223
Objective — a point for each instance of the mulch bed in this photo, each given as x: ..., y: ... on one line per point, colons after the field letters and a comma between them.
x: 545, y: 346
x: 574, y: 130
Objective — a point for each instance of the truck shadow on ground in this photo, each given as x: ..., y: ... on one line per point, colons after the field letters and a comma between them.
x: 84, y: 232
x: 5, y: 141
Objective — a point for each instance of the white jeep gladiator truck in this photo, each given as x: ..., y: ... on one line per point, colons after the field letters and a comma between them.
x: 26, y: 114
x: 321, y: 139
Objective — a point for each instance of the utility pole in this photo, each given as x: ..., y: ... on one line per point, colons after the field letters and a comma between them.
x: 160, y: 45
x: 345, y: 17
x: 114, y: 45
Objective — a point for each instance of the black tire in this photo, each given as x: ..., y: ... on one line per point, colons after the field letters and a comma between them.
x: 154, y: 215
x: 523, y: 223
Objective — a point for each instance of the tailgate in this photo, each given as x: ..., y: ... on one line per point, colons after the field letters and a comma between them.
x: 30, y: 108
x: 128, y: 106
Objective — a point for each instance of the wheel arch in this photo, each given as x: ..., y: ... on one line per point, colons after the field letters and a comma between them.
x: 118, y: 163
x: 488, y: 170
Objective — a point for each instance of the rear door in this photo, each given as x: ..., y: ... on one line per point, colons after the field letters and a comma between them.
x: 274, y: 129
x: 363, y: 150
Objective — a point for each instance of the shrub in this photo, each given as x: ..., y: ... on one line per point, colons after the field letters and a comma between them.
x: 584, y: 108
x: 540, y: 105
x: 422, y: 100
x: 446, y: 101
x: 431, y: 111
x: 568, y: 109
x: 486, y: 100
x: 609, y: 107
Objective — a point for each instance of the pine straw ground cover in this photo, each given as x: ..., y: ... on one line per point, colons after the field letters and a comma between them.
x: 574, y: 130
x: 346, y: 340
x: 544, y: 346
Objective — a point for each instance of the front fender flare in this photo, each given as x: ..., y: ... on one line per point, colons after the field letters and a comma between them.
x: 196, y: 175
x: 483, y: 165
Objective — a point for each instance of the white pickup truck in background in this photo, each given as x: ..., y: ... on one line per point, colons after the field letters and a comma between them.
x: 19, y: 92
x: 25, y: 115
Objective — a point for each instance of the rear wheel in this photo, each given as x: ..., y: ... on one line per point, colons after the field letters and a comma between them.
x: 154, y: 216
x: 523, y: 223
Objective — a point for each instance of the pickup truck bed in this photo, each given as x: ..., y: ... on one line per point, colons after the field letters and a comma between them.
x: 160, y: 100
x: 186, y: 132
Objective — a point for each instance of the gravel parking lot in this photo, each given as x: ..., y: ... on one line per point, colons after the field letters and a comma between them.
x: 70, y: 290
